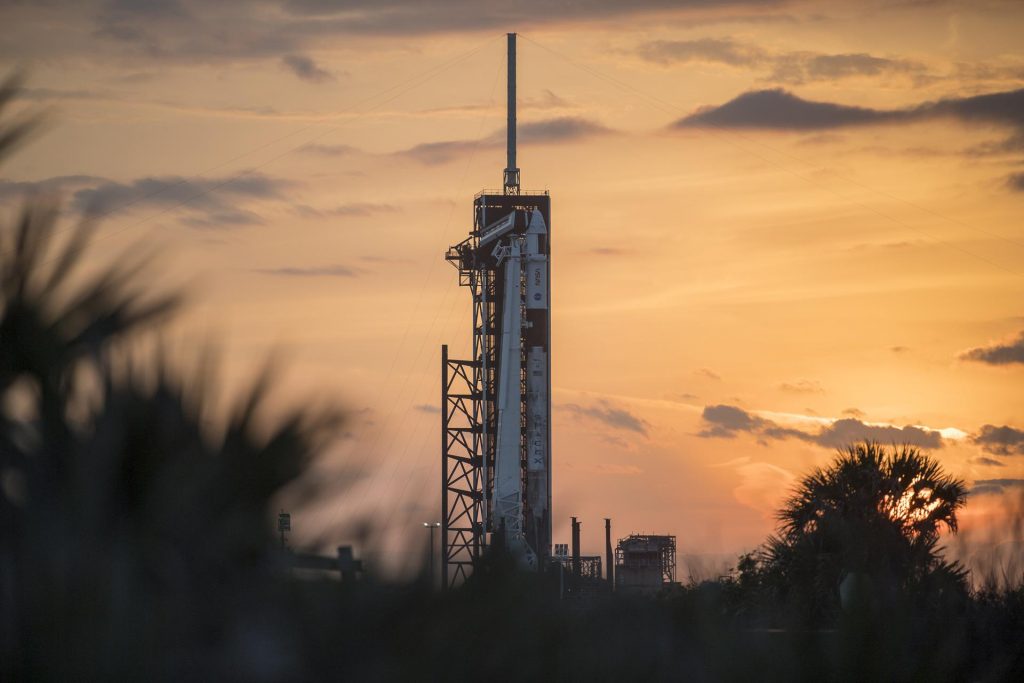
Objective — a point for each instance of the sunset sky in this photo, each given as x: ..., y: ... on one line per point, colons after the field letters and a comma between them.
x: 777, y: 227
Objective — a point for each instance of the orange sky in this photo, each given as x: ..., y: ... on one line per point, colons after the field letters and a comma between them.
x: 824, y: 251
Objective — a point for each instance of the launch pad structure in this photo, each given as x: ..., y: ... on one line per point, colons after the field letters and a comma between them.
x: 496, y: 405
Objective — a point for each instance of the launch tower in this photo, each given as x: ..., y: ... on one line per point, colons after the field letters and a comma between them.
x: 496, y: 406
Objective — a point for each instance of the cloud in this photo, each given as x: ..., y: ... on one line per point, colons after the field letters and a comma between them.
x: 610, y: 415
x: 714, y: 50
x: 710, y: 374
x: 558, y: 130
x: 999, y: 353
x: 854, y: 412
x: 778, y: 109
x: 11, y: 189
x: 802, y: 386
x: 994, y: 486
x: 899, y: 349
x: 725, y: 421
x: 781, y: 110
x: 988, y: 462
x: 211, y: 202
x: 350, y: 209
x: 848, y: 430
x: 436, y: 153
x: 800, y: 67
x: 609, y: 251
x: 336, y: 270
x: 427, y: 408
x: 207, y: 203
x: 1004, y: 440
x: 781, y: 67
x: 305, y: 68
x: 328, y: 150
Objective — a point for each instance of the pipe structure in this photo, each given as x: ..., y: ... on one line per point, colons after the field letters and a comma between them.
x: 575, y: 552
x: 608, y: 557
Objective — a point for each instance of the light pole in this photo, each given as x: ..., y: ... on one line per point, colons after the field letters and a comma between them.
x: 432, y: 526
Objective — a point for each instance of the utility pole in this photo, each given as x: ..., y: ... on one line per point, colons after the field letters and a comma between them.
x: 284, y: 524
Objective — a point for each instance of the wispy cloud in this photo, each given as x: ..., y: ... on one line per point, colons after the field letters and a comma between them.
x: 334, y: 270
x: 706, y: 372
x: 204, y: 203
x: 207, y: 202
x: 610, y: 415
x: 305, y: 68
x: 344, y: 210
x: 558, y: 130
x: 11, y: 189
x: 994, y: 486
x: 793, y: 67
x: 609, y: 251
x: 802, y: 386
x: 328, y: 150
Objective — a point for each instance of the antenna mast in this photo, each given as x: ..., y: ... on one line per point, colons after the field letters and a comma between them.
x: 511, y: 171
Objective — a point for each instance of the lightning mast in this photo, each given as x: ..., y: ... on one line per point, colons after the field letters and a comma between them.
x: 496, y: 406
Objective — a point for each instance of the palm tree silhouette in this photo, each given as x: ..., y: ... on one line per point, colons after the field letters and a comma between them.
x: 131, y: 530
x: 875, y: 513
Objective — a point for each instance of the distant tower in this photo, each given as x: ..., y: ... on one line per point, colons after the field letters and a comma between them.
x: 496, y: 406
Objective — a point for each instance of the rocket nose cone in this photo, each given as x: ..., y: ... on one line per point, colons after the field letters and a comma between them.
x: 537, y: 225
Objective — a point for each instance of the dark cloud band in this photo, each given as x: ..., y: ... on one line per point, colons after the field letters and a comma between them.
x: 778, y: 109
x: 725, y: 421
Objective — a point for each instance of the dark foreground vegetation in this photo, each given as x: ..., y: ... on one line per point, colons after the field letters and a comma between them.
x: 135, y: 541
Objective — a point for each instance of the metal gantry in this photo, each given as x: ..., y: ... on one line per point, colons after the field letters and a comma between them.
x: 496, y: 406
x: 462, y: 502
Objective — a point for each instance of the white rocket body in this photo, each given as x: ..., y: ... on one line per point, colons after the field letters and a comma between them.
x: 525, y: 266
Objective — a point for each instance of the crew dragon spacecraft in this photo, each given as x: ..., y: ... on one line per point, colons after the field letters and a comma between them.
x: 496, y: 406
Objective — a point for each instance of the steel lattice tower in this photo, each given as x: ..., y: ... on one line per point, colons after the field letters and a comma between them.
x: 496, y: 406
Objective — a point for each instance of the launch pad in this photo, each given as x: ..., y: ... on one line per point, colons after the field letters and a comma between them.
x: 496, y: 406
